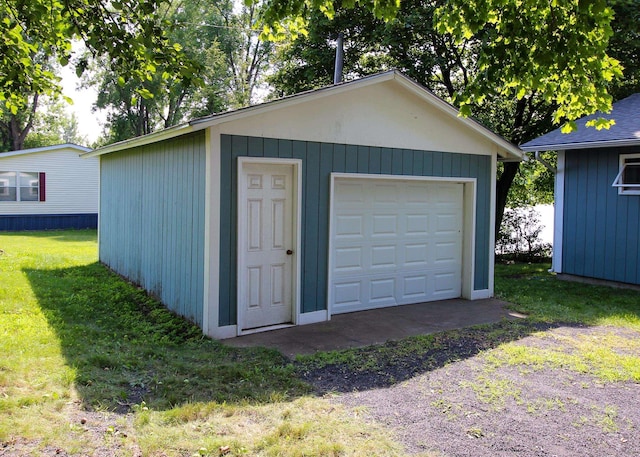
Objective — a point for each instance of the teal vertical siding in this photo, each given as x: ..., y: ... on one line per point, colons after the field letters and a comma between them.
x: 152, y: 204
x: 601, y: 229
x: 319, y: 160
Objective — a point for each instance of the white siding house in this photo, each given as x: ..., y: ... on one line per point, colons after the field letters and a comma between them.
x: 49, y: 188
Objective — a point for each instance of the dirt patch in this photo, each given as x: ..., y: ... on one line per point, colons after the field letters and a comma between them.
x: 447, y: 347
x: 474, y: 407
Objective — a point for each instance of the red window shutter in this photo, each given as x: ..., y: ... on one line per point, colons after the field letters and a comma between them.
x: 43, y: 187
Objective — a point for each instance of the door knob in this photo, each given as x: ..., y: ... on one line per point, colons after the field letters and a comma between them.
x: 289, y: 252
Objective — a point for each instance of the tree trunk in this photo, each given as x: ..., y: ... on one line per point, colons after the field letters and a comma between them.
x: 502, y: 190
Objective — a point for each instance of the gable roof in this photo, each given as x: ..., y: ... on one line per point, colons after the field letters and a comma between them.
x: 506, y: 149
x: 625, y: 132
x: 55, y: 147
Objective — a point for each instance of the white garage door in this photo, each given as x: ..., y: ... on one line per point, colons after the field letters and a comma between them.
x: 394, y: 242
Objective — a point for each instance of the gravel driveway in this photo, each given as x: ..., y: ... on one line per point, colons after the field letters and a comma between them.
x: 479, y: 406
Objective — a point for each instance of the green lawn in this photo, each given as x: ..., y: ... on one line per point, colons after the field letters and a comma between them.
x: 92, y: 365
x: 79, y: 346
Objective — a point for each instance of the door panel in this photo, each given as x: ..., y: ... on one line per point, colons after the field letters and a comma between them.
x: 265, y: 281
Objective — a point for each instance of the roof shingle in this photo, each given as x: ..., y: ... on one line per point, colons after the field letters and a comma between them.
x: 625, y: 132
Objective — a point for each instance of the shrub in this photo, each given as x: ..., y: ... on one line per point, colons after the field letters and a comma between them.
x: 519, y: 236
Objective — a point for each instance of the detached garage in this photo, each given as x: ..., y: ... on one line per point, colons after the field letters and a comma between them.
x: 362, y: 195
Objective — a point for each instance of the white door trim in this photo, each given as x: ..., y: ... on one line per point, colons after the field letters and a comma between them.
x: 469, y: 225
x: 558, y: 214
x: 297, y: 230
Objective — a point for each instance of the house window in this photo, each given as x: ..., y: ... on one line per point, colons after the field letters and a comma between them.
x: 628, y: 179
x: 22, y: 186
x: 8, y: 188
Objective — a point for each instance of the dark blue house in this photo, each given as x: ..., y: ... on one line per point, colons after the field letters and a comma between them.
x: 597, y: 197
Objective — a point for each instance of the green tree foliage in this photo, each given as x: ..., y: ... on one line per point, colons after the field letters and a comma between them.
x: 43, y: 122
x: 519, y: 67
x: 231, y: 61
x: 128, y: 33
x: 247, y: 56
x: 411, y: 43
x: 624, y: 45
x: 555, y: 49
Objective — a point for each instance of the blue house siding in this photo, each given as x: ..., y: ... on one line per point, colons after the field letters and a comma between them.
x: 21, y: 222
x: 601, y: 228
x: 319, y: 160
x: 152, y: 204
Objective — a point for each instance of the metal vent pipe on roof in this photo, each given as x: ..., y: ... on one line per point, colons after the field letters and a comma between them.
x: 337, y: 73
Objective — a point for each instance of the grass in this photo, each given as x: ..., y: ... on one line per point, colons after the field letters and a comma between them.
x: 538, y: 293
x: 92, y: 365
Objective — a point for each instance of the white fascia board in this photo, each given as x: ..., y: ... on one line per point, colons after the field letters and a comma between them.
x: 584, y: 145
x: 57, y: 147
x: 171, y: 132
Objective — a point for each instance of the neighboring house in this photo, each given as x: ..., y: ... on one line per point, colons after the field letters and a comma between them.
x: 49, y: 188
x: 597, y: 197
x: 361, y: 195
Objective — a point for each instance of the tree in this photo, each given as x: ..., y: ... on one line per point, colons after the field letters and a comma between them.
x: 15, y: 126
x: 555, y: 49
x: 43, y: 123
x: 624, y: 45
x: 128, y: 32
x: 495, y: 65
x: 247, y: 56
x: 411, y: 44
x: 196, y: 29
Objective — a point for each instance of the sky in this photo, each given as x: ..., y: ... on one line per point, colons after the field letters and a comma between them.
x: 90, y: 124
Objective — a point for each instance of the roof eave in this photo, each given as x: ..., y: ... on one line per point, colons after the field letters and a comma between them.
x: 507, y: 151
x: 171, y: 132
x: 582, y: 145
x: 56, y: 147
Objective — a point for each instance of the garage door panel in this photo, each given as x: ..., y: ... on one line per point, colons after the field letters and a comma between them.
x: 417, y: 224
x: 416, y: 255
x: 349, y: 226
x: 350, y: 192
x: 446, y: 252
x: 348, y: 294
x: 384, y: 257
x: 384, y: 225
x: 385, y: 193
x: 402, y: 243
x: 447, y: 223
x: 415, y: 287
x: 348, y: 260
x: 445, y: 283
x: 382, y: 291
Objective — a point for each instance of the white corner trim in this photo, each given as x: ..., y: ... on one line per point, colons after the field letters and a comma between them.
x: 469, y: 204
x: 211, y: 302
x: 558, y: 214
x: 492, y: 223
x: 481, y: 294
x: 313, y: 317
x: 222, y: 333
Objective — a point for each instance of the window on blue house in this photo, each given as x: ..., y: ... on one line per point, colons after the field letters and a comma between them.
x: 21, y: 186
x: 628, y: 179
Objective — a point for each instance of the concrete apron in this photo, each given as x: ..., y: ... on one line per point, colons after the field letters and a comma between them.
x: 377, y: 326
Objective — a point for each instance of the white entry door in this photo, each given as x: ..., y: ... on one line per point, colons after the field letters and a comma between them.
x: 395, y: 242
x: 266, y: 245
